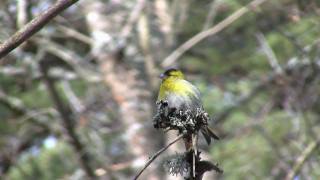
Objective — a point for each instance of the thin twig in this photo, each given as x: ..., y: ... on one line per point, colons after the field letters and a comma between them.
x: 156, y: 155
x: 75, y: 102
x: 269, y: 53
x: 259, y: 88
x: 211, y: 15
x: 301, y: 159
x: 13, y: 103
x: 34, y: 26
x: 71, y: 58
x: 75, y: 34
x: 212, y: 31
x: 133, y: 17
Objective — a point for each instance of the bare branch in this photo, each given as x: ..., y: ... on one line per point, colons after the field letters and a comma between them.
x: 301, y: 159
x: 75, y: 102
x: 13, y: 103
x: 68, y: 122
x: 75, y: 34
x: 176, y: 54
x: 211, y: 15
x: 156, y: 155
x: 259, y: 88
x: 134, y: 16
x: 269, y: 53
x: 71, y: 58
x: 34, y: 26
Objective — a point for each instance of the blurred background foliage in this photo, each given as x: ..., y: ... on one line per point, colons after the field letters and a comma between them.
x: 259, y: 79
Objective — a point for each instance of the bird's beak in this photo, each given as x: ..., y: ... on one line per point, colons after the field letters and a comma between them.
x: 161, y: 76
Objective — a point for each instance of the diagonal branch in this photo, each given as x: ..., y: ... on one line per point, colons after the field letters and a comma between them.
x: 176, y: 54
x: 33, y: 26
x: 68, y: 122
x: 271, y: 56
x: 13, y: 103
x: 302, y: 158
x: 156, y: 155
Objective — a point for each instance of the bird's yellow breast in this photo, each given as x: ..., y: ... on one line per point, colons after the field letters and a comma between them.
x: 174, y: 85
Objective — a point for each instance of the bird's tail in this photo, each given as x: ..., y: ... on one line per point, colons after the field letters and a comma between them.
x: 208, y: 134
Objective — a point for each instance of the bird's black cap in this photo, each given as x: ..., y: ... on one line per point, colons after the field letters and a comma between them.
x: 167, y: 72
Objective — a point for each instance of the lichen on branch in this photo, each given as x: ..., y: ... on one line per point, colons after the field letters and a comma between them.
x: 187, y: 122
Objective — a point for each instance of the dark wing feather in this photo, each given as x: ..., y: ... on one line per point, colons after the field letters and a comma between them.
x: 211, y: 133
x: 206, y: 136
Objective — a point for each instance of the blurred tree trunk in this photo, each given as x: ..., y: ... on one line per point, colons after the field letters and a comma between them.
x: 127, y: 86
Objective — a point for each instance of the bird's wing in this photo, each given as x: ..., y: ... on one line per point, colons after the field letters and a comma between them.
x: 194, y: 94
x: 185, y: 96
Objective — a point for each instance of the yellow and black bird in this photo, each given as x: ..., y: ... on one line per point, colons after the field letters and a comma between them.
x: 180, y: 94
